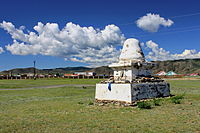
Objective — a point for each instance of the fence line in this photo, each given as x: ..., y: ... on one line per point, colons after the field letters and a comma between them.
x: 63, y: 77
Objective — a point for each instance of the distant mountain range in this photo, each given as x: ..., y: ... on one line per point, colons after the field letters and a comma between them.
x: 183, y: 66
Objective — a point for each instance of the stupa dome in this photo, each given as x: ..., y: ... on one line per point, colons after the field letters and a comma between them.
x: 132, y: 51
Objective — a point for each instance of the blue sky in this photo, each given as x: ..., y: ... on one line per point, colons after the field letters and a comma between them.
x: 183, y: 34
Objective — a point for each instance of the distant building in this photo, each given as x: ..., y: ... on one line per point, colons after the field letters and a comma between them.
x: 30, y: 74
x: 67, y: 75
x: 91, y: 73
x: 194, y: 74
x: 161, y: 73
x: 80, y: 73
x: 171, y: 73
x: 41, y: 76
x: 85, y: 73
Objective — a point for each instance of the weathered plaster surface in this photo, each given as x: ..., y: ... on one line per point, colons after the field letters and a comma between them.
x: 132, y: 92
x: 118, y: 92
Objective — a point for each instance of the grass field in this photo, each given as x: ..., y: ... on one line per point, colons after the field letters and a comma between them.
x: 12, y: 84
x: 69, y: 109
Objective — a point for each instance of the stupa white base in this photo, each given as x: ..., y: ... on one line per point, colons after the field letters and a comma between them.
x: 131, y: 92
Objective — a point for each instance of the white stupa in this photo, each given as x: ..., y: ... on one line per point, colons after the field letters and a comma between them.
x: 132, y: 79
x: 131, y: 62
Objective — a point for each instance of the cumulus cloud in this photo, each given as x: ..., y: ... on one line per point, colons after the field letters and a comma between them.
x: 152, y: 22
x: 104, y: 56
x: 73, y: 42
x: 157, y: 53
x: 1, y: 50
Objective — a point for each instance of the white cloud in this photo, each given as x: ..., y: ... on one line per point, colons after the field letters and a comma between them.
x: 1, y: 50
x: 152, y: 22
x: 157, y: 53
x: 73, y: 42
x: 104, y: 56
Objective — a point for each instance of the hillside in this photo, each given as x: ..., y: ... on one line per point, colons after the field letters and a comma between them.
x: 46, y: 71
x: 179, y: 66
x: 103, y: 70
x: 183, y: 66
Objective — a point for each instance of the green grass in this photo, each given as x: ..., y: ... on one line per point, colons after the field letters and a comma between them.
x: 185, y: 83
x: 12, y: 84
x: 144, y: 105
x: 70, y: 109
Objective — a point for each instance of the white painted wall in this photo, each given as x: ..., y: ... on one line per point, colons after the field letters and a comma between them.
x: 119, y: 92
x: 117, y: 74
x: 130, y: 73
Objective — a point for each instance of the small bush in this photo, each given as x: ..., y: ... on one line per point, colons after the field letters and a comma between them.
x: 156, y: 102
x: 80, y: 102
x: 90, y: 103
x: 177, y: 99
x: 144, y: 105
